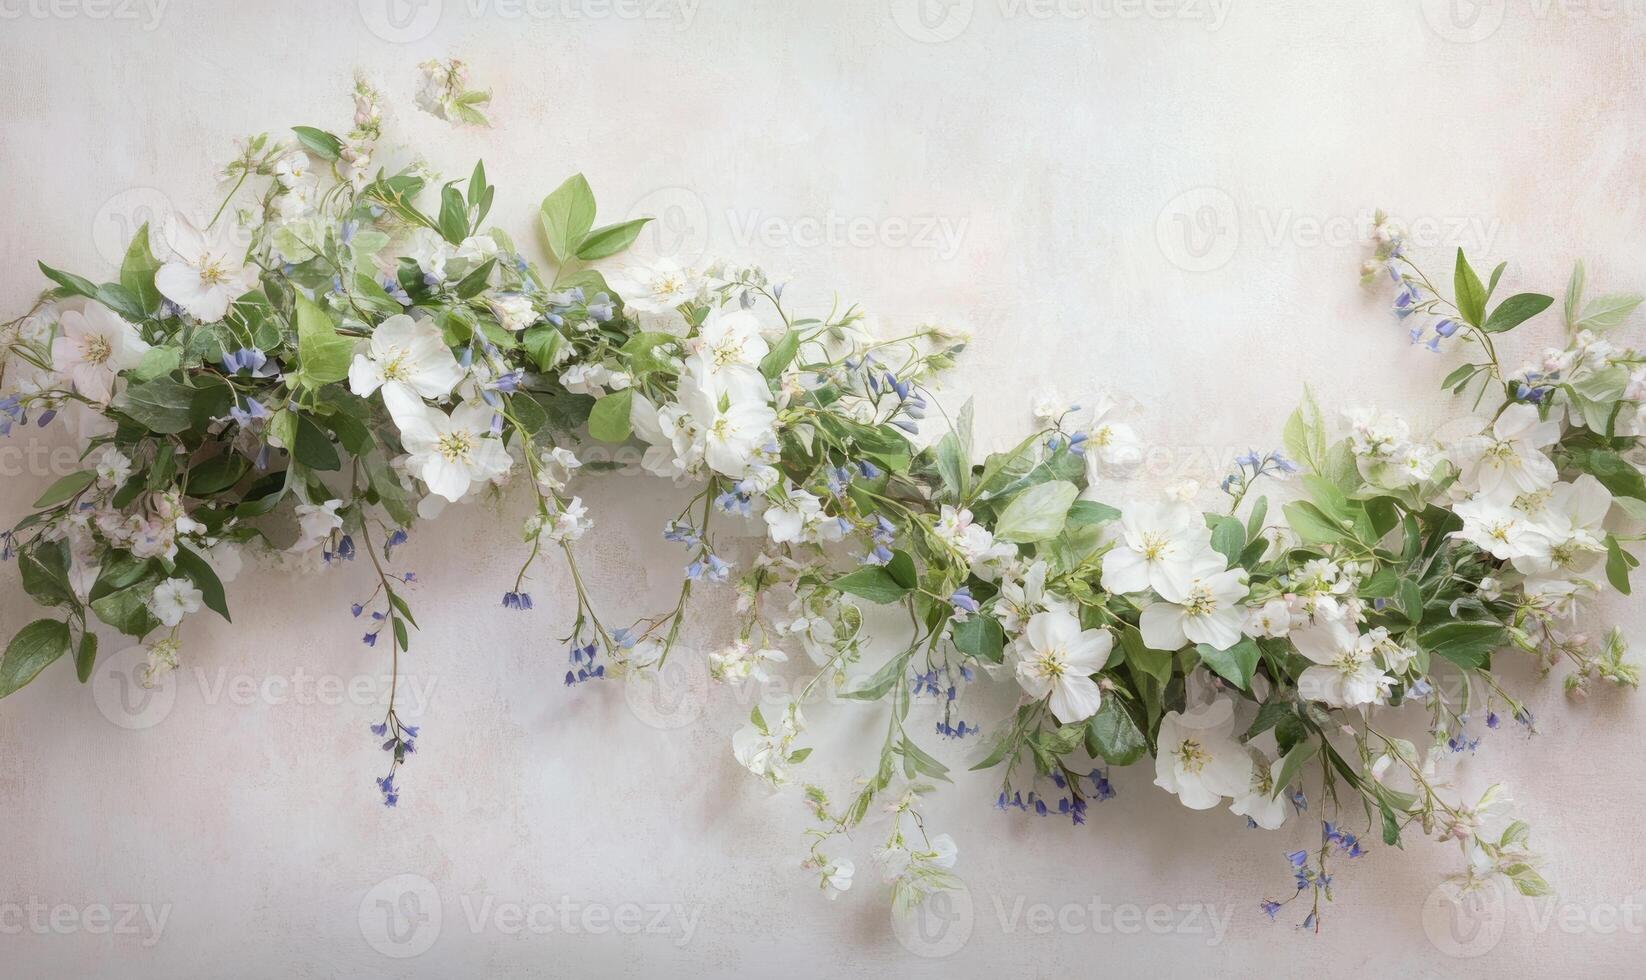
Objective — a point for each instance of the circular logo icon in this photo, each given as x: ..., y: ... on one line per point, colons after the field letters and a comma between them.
x: 400, y: 917
x: 1199, y: 229
x: 1465, y: 924
x: 120, y: 216
x: 678, y: 231
x: 939, y: 926
x: 671, y: 696
x: 401, y: 21
x: 127, y: 696
x: 1464, y: 21
x: 932, y: 21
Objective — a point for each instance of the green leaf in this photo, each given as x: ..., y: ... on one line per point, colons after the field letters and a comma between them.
x: 127, y: 610
x: 121, y: 300
x: 71, y: 283
x: 65, y: 488
x: 85, y: 656
x: 1236, y: 664
x: 200, y: 572
x: 609, y: 420
x: 44, y: 569
x: 1515, y: 310
x: 1036, y: 514
x: 781, y: 355
x: 874, y: 583
x: 1086, y: 513
x: 1606, y: 312
x: 1614, y: 472
x: 1574, y: 293
x: 543, y: 343
x: 567, y: 215
x: 1113, y: 736
x: 608, y: 241
x: 138, y: 269
x: 1292, y: 765
x: 161, y: 406
x: 1471, y: 295
x: 980, y: 637
x: 1467, y: 644
x: 881, y: 682
x: 1311, y: 524
x: 324, y: 355
x: 319, y: 142
x: 1619, y: 564
x: 314, y: 448
x: 1139, y: 656
x: 32, y: 650
x: 454, y: 215
x: 217, y: 474
x: 1229, y: 538
x: 157, y: 362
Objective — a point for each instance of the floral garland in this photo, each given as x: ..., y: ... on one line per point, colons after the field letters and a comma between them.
x: 351, y: 349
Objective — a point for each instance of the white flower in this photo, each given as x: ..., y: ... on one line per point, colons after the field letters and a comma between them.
x: 729, y: 407
x: 1209, y: 611
x: 799, y: 518
x: 1273, y: 618
x: 450, y: 453
x: 972, y: 541
x: 113, y: 467
x: 837, y: 877
x: 293, y: 169
x: 732, y: 338
x: 1259, y: 802
x: 1345, y: 674
x: 1059, y: 661
x: 430, y: 251
x: 173, y: 599
x: 1509, y: 460
x: 205, y: 274
x: 1498, y: 528
x: 410, y: 361
x: 93, y: 347
x: 1567, y: 537
x: 570, y: 522
x: 765, y: 752
x: 1050, y: 406
x: 659, y: 288
x: 514, y: 311
x: 1112, y: 449
x: 741, y: 661
x: 1159, y: 545
x: 1198, y: 759
x: 315, y: 523
x: 556, y: 469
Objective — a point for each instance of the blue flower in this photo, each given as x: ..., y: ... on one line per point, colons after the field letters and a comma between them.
x: 517, y: 600
x: 1270, y: 908
x: 963, y: 603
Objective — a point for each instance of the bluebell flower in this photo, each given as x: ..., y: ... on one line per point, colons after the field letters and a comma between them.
x: 878, y: 555
x: 45, y: 418
x: 734, y: 503
x: 1299, y: 801
x: 963, y: 603
x: 1270, y: 908
x: 1447, y: 327
x: 517, y: 600
x: 1492, y: 720
x: 357, y: 609
x: 681, y: 533
x: 601, y: 309
x: 867, y: 469
x: 396, y: 538
x: 380, y: 729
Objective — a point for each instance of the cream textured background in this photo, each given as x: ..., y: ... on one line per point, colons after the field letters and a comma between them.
x: 1134, y: 196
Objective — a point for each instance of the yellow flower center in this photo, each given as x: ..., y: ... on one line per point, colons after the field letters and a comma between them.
x: 96, y: 349
x: 455, y: 446
x: 1191, y: 756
